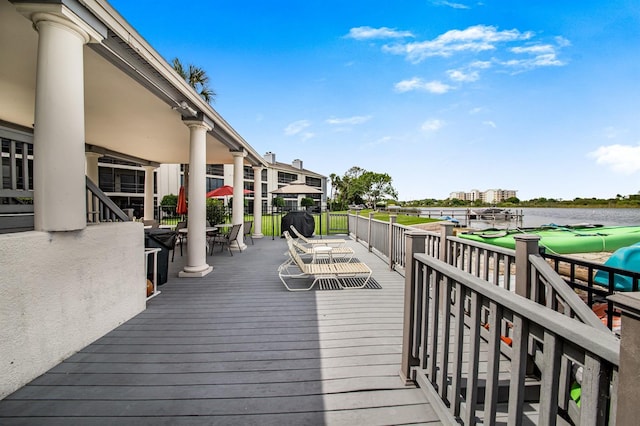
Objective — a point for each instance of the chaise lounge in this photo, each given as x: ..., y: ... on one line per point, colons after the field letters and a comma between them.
x: 296, y: 268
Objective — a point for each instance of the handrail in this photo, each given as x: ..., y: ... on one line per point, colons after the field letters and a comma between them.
x: 560, y: 289
x: 439, y: 295
x: 101, y: 208
x: 599, y: 342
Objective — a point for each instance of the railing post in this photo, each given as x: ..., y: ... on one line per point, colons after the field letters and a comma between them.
x: 357, y: 220
x: 415, y: 243
x: 392, y: 252
x: 369, y: 244
x: 446, y: 231
x: 526, y: 244
x: 627, y: 411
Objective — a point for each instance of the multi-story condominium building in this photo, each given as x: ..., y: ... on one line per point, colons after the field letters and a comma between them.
x: 123, y: 181
x: 488, y: 196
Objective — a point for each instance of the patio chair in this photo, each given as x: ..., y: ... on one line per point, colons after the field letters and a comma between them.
x: 326, y: 241
x: 320, y: 271
x: 341, y: 252
x: 180, y: 237
x: 247, y: 230
x: 226, y: 239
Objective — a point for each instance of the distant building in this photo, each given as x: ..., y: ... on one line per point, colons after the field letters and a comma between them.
x: 123, y: 181
x: 489, y: 196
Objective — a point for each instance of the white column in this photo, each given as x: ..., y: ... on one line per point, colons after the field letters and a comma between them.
x: 197, y: 214
x: 238, y: 194
x: 149, y: 206
x: 257, y: 202
x: 59, y: 166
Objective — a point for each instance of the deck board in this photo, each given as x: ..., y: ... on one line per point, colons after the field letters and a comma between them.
x: 236, y: 348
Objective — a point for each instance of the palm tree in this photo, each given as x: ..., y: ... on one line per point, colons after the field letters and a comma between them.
x: 197, y: 78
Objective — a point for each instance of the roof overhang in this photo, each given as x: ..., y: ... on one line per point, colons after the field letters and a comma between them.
x: 135, y: 103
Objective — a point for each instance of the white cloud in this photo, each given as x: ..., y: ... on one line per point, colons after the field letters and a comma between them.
x: 350, y: 120
x: 451, y: 4
x: 462, y: 76
x: 432, y: 125
x: 378, y: 142
x: 306, y: 136
x: 623, y: 159
x: 541, y: 55
x: 477, y: 110
x: 296, y: 127
x: 611, y: 132
x: 546, y: 60
x: 417, y: 83
x: 477, y: 38
x: 480, y: 64
x: 490, y: 124
x: 368, y: 33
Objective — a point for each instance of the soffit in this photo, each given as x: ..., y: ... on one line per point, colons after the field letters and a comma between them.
x: 122, y: 112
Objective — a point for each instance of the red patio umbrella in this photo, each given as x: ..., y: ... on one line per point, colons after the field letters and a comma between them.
x: 181, y: 208
x: 224, y: 191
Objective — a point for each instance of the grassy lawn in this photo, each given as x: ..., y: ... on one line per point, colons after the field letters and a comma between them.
x: 271, y: 224
x: 401, y: 219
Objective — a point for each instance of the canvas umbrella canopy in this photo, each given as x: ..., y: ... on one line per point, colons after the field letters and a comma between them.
x: 297, y: 187
x: 181, y: 208
x: 224, y: 191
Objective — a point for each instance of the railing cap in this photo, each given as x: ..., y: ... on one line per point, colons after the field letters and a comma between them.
x: 628, y: 303
x: 417, y: 233
x: 527, y: 237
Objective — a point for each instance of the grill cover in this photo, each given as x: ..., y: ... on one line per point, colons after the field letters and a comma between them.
x: 303, y: 222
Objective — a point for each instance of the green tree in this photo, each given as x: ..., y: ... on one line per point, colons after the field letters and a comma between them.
x: 197, y: 78
x: 377, y: 186
x: 278, y: 202
x: 307, y: 202
x: 215, y: 211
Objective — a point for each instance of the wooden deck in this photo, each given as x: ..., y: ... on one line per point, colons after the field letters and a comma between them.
x: 236, y: 348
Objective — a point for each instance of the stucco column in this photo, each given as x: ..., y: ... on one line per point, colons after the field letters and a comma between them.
x: 238, y: 194
x: 197, y: 213
x: 58, y: 138
x: 257, y: 202
x: 149, y: 207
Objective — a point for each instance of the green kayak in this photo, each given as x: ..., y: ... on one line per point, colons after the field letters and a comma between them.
x: 564, y: 239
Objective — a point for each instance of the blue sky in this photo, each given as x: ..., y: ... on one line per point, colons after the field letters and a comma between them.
x: 542, y: 97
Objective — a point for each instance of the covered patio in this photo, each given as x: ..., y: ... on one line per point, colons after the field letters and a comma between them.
x: 78, y: 82
x: 235, y: 347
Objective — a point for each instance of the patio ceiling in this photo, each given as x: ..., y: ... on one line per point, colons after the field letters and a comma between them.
x: 132, y: 95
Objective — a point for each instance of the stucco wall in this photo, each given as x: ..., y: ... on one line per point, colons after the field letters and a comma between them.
x: 61, y: 291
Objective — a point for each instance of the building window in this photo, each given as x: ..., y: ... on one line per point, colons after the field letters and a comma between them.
x: 286, y: 178
x: 264, y: 175
x: 214, y: 183
x: 248, y: 172
x: 311, y: 181
x: 121, y: 180
x: 215, y: 169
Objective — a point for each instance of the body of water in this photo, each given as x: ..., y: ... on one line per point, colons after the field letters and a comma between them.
x: 543, y: 216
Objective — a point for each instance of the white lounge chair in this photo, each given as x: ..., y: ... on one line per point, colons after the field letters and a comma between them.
x: 320, y: 271
x: 323, y: 241
x: 344, y: 253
